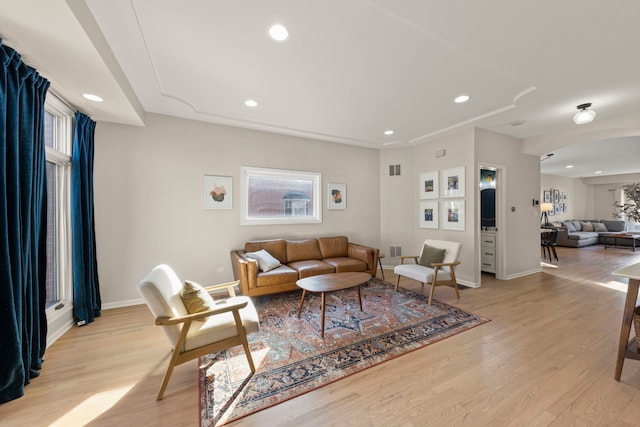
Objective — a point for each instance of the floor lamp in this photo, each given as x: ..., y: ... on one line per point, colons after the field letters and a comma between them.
x: 545, y: 207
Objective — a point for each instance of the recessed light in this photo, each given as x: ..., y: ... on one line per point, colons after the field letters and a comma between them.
x: 569, y: 166
x: 388, y: 132
x: 461, y: 99
x: 598, y: 172
x: 278, y: 32
x: 518, y: 122
x: 251, y: 103
x: 92, y: 97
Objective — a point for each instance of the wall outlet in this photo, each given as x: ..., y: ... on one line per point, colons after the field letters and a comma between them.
x: 220, y: 270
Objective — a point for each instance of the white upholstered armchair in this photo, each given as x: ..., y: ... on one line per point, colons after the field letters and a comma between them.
x: 223, y: 325
x: 435, y: 265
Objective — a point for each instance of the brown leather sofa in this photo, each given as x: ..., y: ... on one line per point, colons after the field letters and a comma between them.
x: 299, y: 258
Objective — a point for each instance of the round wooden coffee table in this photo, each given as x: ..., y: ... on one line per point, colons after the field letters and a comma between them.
x: 324, y: 283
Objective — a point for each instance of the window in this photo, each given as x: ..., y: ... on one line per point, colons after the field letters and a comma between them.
x: 275, y: 196
x: 58, y: 133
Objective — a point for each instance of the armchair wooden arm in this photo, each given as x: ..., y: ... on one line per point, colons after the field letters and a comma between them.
x: 403, y: 257
x: 229, y: 286
x: 220, y: 308
x: 445, y: 264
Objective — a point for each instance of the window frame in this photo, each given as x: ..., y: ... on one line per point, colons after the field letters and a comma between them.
x: 60, y: 156
x: 314, y: 217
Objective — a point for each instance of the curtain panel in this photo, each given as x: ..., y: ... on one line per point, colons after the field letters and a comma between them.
x: 86, y: 287
x: 22, y: 224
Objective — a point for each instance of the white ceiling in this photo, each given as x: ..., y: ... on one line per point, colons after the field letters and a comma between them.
x: 350, y: 69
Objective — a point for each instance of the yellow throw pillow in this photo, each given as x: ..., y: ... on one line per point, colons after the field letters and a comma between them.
x: 195, y: 298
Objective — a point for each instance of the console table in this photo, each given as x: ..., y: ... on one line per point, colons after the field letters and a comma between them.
x: 628, y: 349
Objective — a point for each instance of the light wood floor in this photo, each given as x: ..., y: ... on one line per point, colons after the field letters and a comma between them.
x: 546, y: 358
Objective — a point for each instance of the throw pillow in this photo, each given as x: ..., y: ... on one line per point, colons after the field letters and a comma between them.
x: 569, y: 225
x: 430, y: 255
x: 265, y: 260
x: 598, y: 226
x: 196, y: 298
x: 577, y: 225
x: 587, y: 226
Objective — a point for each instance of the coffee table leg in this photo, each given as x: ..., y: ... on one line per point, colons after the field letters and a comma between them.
x: 359, y: 297
x: 304, y: 292
x: 322, y: 333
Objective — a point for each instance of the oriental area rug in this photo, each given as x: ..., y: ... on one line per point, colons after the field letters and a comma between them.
x: 291, y: 357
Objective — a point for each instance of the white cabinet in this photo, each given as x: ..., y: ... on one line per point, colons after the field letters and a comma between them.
x: 488, y: 250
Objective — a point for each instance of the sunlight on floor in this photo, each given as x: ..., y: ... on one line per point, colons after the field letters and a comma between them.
x: 92, y: 407
x: 617, y: 286
x: 544, y: 264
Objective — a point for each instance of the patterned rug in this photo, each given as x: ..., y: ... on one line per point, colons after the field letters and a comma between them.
x: 292, y: 358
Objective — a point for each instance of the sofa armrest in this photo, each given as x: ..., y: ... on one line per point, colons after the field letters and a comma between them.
x: 366, y: 254
x: 245, y: 270
x: 563, y: 236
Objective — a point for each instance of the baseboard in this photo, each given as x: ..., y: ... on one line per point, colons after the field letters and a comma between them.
x: 120, y: 304
x: 468, y: 284
x: 523, y: 273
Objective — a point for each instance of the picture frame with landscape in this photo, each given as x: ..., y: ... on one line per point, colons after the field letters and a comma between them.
x: 428, y: 214
x: 453, y: 182
x: 452, y: 215
x: 429, y: 185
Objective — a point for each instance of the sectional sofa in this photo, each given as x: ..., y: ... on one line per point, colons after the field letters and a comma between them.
x: 579, y: 233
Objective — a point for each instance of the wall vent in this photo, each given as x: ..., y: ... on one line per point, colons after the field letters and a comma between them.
x: 395, y: 251
x: 394, y: 170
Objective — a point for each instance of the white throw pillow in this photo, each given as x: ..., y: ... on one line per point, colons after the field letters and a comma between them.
x: 265, y: 260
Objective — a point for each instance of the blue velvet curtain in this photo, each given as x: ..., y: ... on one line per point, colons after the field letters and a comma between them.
x: 86, y: 288
x: 23, y: 220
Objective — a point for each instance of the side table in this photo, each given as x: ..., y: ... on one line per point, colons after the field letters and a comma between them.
x: 628, y: 349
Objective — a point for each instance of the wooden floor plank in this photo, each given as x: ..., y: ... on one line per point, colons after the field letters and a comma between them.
x: 546, y: 358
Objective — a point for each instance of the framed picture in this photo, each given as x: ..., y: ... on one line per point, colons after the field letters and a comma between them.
x: 558, y: 208
x: 429, y: 185
x: 218, y: 192
x: 564, y: 208
x: 336, y: 196
x: 556, y: 196
x: 279, y: 196
x: 452, y: 215
x: 546, y: 196
x: 453, y: 182
x: 429, y: 214
x: 563, y: 197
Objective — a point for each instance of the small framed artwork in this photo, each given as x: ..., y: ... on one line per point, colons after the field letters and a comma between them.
x: 564, y: 208
x: 453, y: 182
x: 429, y: 214
x: 563, y: 196
x: 337, y: 196
x: 558, y: 208
x: 452, y: 215
x: 556, y: 196
x: 546, y: 196
x: 218, y: 192
x: 429, y: 185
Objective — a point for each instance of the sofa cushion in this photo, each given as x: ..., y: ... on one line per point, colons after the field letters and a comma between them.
x: 333, y: 247
x: 577, y: 225
x: 301, y: 250
x: 587, y: 226
x: 582, y: 235
x: 311, y: 267
x: 599, y: 227
x: 345, y: 264
x: 277, y: 248
x: 265, y: 260
x: 569, y: 225
x: 613, y: 225
x: 277, y: 276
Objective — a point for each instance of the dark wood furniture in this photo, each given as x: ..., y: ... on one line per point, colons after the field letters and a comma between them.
x: 324, y: 283
x: 615, y: 237
x: 628, y: 349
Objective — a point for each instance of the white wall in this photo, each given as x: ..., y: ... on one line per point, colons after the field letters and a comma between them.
x: 519, y: 235
x: 149, y: 204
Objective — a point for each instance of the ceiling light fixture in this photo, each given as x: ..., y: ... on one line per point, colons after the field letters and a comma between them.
x: 518, y: 122
x: 568, y: 166
x: 584, y: 115
x: 461, y: 99
x: 92, y: 97
x: 278, y: 32
x: 251, y: 103
x: 388, y: 132
x: 598, y: 172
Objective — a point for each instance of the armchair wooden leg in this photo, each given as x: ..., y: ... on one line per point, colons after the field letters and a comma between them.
x: 397, y: 283
x: 433, y: 288
x: 243, y: 337
x: 167, y: 377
